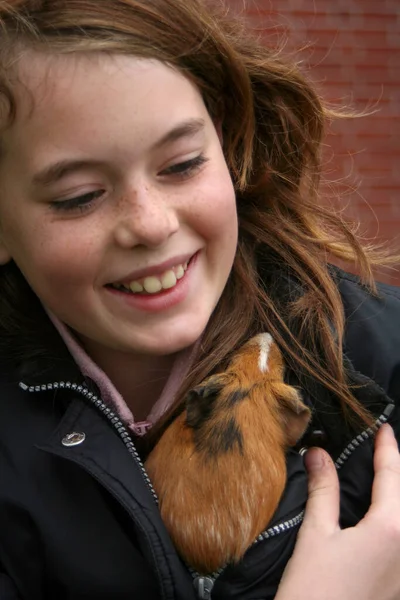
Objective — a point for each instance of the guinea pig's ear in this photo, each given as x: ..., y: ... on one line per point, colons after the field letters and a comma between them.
x: 294, y: 413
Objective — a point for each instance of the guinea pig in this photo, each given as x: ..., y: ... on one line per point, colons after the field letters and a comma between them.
x: 219, y: 469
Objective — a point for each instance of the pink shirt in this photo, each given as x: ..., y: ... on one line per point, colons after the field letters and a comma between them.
x: 110, y: 395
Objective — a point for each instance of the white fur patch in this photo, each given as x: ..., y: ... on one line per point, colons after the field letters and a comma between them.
x: 264, y: 341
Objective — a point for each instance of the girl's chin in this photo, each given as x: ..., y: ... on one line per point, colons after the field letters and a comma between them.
x: 167, y: 348
x: 170, y: 341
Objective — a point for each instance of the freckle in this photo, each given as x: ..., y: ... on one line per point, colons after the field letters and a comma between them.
x: 123, y: 203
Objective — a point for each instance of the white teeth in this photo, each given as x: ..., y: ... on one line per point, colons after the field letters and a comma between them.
x: 168, y: 280
x: 179, y: 272
x: 152, y: 285
x: 135, y: 286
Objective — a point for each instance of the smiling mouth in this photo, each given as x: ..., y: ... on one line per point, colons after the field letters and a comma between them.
x: 154, y: 284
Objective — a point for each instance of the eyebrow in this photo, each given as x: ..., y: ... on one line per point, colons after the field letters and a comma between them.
x: 56, y: 171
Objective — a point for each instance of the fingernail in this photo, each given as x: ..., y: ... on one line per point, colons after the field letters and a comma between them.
x: 314, y: 459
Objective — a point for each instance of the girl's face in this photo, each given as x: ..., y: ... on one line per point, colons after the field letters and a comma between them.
x: 113, y: 177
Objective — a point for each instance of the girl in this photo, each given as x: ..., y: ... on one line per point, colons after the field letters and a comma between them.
x: 158, y: 208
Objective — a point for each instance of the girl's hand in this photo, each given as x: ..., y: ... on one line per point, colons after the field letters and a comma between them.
x: 361, y: 562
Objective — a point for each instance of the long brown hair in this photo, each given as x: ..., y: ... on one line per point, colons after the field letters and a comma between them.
x: 273, y: 122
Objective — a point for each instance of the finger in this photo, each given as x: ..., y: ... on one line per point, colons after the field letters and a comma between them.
x: 386, y: 485
x: 322, y: 510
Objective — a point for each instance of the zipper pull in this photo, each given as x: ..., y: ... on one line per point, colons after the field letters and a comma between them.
x: 203, y: 587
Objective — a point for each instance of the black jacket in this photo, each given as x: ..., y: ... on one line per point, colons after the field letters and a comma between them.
x: 79, y: 519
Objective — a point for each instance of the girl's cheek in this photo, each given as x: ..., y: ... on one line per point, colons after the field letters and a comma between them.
x: 218, y: 199
x: 53, y: 256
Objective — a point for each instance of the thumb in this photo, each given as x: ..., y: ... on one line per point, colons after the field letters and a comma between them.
x: 322, y: 509
x: 386, y: 486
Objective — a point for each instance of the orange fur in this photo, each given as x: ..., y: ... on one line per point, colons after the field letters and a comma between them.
x: 219, y: 469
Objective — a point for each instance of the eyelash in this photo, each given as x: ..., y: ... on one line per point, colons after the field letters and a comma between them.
x: 182, y: 170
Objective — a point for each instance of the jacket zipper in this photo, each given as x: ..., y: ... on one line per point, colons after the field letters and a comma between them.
x: 111, y: 416
x: 363, y: 436
x: 203, y: 584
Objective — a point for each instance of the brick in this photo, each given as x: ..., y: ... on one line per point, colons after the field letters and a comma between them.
x: 353, y: 57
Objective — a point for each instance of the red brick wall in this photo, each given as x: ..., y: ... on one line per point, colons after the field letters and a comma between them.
x: 354, y: 56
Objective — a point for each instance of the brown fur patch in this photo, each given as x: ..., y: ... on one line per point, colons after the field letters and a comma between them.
x: 220, y: 468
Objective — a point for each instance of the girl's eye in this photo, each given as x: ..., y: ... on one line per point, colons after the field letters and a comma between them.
x: 79, y: 203
x: 186, y: 168
x: 85, y: 202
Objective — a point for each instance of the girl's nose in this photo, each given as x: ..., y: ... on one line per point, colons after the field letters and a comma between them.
x: 147, y: 218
